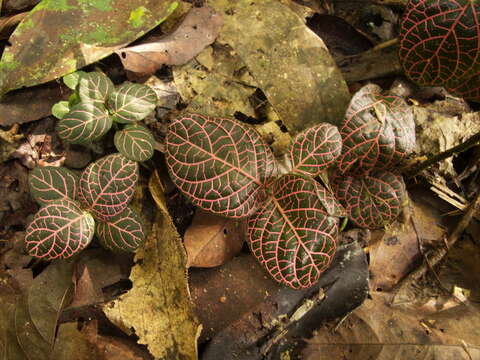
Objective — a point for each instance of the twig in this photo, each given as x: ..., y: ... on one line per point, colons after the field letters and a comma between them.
x: 439, y: 254
x: 472, y: 141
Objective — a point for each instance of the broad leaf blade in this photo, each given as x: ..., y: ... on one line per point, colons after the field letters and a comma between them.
x: 371, y: 201
x: 316, y: 149
x: 60, y: 109
x: 107, y: 185
x: 52, y: 183
x: 131, y: 102
x: 123, y: 232
x: 222, y: 165
x: 59, y: 230
x: 86, y: 122
x: 135, y: 142
x: 377, y: 132
x: 58, y: 37
x: 291, y: 234
x: 439, y: 45
x: 94, y: 86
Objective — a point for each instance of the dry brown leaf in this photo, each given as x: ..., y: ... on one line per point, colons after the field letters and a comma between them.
x: 212, y: 240
x: 87, y: 292
x: 198, y: 30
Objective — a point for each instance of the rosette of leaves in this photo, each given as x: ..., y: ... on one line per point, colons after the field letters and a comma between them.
x: 439, y: 45
x: 224, y: 166
x: 74, y: 209
x: 371, y: 201
x: 378, y: 132
x: 96, y: 105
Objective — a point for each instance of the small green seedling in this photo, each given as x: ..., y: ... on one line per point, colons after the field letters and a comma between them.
x: 96, y: 105
x: 74, y: 209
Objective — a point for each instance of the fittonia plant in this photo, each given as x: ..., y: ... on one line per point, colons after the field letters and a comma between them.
x: 440, y: 45
x: 73, y: 208
x: 96, y: 106
x: 225, y: 167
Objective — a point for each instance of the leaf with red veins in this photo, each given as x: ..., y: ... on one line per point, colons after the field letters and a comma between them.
x: 316, y: 149
x: 59, y: 230
x: 377, y: 132
x: 222, y: 165
x: 292, y: 234
x: 107, y: 185
x: 52, y: 183
x: 371, y: 201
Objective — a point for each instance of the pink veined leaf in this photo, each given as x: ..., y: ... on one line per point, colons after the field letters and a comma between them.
x: 123, y: 232
x: 131, y: 102
x: 377, y: 132
x: 293, y: 234
x: 371, y: 201
x: 107, y: 185
x: 222, y: 165
x: 94, y: 87
x: 52, y: 183
x: 316, y: 149
x: 59, y: 230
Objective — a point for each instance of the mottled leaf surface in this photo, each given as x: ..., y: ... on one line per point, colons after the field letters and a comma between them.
x: 222, y: 165
x: 316, y: 149
x: 440, y: 45
x: 377, y: 131
x: 131, y: 102
x: 52, y: 183
x: 86, y: 122
x: 94, y: 87
x: 59, y: 230
x: 371, y: 201
x: 135, y: 142
x: 58, y: 37
x: 107, y: 185
x: 123, y: 232
x: 292, y: 234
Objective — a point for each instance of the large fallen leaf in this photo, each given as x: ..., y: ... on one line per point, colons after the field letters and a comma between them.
x: 158, y: 306
x: 58, y: 37
x: 290, y: 63
x: 212, y: 240
x: 198, y: 30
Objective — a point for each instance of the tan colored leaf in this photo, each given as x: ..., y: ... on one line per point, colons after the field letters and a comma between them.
x: 198, y: 30
x: 158, y: 307
x: 212, y: 240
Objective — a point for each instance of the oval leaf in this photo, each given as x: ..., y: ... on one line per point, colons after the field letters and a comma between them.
x: 86, y: 122
x: 59, y: 230
x: 222, y: 165
x: 132, y: 102
x: 107, y: 185
x: 52, y: 183
x: 72, y: 79
x: 371, y: 201
x: 94, y: 86
x: 123, y: 232
x: 377, y: 132
x: 316, y: 149
x: 60, y: 109
x: 439, y: 45
x: 291, y: 234
x: 135, y: 142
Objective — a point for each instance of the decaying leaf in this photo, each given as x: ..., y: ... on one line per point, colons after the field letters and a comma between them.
x: 60, y: 37
x: 297, y: 73
x: 198, y: 30
x: 158, y: 306
x: 212, y: 240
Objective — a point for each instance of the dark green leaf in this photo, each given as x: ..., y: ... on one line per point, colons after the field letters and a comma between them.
x: 52, y: 183
x: 60, y: 229
x: 132, y: 102
x: 123, y: 232
x: 86, y: 122
x: 135, y: 142
x: 94, y: 86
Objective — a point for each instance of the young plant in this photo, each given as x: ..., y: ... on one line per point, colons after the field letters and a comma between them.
x: 96, y: 105
x: 73, y: 208
x: 439, y: 45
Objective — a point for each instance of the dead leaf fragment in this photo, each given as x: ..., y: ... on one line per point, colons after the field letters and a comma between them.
x: 212, y: 240
x: 198, y: 30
